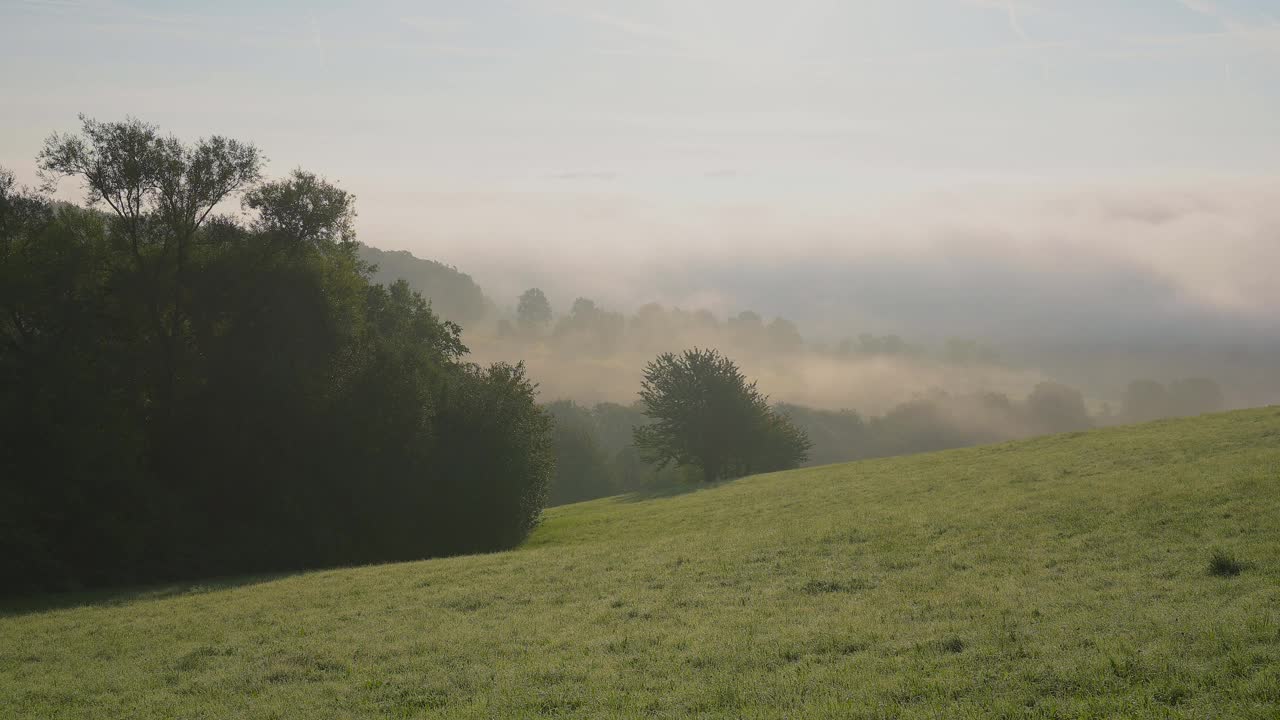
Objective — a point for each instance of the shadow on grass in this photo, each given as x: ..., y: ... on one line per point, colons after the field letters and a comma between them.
x: 120, y: 597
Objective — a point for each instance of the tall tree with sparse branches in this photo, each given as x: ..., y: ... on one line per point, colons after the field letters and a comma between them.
x: 161, y: 191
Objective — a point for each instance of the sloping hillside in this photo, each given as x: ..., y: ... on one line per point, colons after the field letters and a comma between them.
x: 1067, y: 576
x: 453, y: 294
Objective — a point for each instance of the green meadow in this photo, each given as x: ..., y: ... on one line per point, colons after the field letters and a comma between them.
x: 1130, y: 572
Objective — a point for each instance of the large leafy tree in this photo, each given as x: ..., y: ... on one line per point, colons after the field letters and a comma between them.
x: 161, y: 192
x: 705, y: 413
x: 305, y: 209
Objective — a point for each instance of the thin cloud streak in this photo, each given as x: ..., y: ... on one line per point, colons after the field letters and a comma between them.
x: 626, y: 26
x: 1015, y: 24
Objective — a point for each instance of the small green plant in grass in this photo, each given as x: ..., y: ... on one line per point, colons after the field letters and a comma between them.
x: 1224, y: 564
x: 817, y: 587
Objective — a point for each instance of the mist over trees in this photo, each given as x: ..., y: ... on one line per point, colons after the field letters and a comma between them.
x: 598, y: 348
x: 1150, y: 400
x: 533, y: 313
x: 184, y: 393
x: 588, y: 352
x: 939, y: 421
x: 596, y: 456
x: 453, y: 295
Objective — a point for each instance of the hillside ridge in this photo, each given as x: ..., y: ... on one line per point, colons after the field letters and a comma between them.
x: 1063, y: 576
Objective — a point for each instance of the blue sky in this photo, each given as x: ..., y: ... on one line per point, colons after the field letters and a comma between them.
x: 602, y: 123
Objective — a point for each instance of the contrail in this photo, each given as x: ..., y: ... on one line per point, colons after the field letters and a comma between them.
x: 1014, y: 24
x: 1202, y: 7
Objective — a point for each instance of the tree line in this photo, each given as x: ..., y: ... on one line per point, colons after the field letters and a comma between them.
x: 188, y: 393
x: 598, y: 454
x: 698, y: 419
x: 587, y: 327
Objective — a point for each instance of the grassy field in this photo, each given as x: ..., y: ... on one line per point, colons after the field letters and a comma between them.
x: 1063, y: 577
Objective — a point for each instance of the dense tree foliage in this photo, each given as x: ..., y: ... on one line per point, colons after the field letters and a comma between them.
x: 184, y: 394
x: 583, y: 469
x: 595, y: 454
x: 705, y: 413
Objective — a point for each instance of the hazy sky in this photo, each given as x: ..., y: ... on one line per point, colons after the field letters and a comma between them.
x: 1097, y: 144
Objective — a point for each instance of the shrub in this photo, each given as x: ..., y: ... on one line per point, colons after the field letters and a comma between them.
x: 1224, y: 564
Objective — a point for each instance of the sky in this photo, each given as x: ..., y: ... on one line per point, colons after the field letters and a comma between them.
x: 988, y: 166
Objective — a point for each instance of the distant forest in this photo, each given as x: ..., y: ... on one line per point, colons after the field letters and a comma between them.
x: 592, y: 441
x: 453, y: 294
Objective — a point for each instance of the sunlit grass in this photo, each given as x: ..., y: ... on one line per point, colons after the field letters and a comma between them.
x: 1060, y: 577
